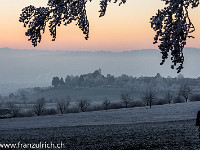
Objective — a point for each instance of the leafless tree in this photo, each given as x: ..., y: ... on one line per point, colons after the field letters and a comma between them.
x: 63, y: 104
x: 126, y: 99
x: 149, y: 97
x: 39, y: 107
x: 185, y: 91
x: 106, y: 103
x: 14, y: 109
x: 168, y: 97
x: 83, y: 104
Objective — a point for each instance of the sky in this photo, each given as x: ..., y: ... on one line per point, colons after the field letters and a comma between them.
x: 123, y: 28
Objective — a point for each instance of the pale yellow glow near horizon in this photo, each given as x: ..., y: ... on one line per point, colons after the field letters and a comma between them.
x: 123, y: 28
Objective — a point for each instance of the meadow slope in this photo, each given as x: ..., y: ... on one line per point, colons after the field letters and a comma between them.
x: 161, y: 127
x: 167, y: 112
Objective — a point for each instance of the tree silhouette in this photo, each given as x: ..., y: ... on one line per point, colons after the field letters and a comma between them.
x: 106, y: 103
x: 185, y: 91
x: 39, y: 107
x: 171, y: 24
x: 61, y: 81
x: 83, y: 104
x: 14, y: 109
x: 55, y: 82
x: 125, y: 98
x: 149, y: 97
x: 63, y: 104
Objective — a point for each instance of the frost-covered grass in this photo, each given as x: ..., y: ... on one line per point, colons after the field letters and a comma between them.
x: 177, y: 135
x: 159, y: 113
x: 161, y: 127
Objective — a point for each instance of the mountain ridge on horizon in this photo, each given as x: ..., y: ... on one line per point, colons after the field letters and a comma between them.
x: 36, y: 50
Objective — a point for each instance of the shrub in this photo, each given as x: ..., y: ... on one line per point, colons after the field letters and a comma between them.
x: 14, y: 109
x: 96, y: 108
x: 195, y: 97
x: 83, y: 104
x: 63, y: 104
x: 73, y: 110
x: 178, y: 99
x: 28, y: 113
x: 50, y: 111
x: 115, y: 106
x: 38, y: 108
x: 137, y: 103
x: 160, y: 102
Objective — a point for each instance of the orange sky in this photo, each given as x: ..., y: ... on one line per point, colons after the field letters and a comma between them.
x: 123, y: 28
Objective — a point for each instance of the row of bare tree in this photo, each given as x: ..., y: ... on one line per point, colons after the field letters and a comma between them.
x: 149, y: 96
x: 83, y: 104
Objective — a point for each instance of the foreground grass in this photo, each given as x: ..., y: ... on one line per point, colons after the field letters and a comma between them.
x: 162, y: 127
x: 151, y: 136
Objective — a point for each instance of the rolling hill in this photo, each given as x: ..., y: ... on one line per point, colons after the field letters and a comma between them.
x: 30, y: 68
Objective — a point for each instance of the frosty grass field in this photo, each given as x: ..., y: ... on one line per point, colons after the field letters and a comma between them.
x: 161, y: 127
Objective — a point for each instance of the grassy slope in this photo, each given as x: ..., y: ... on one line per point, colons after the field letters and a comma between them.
x: 183, y: 111
x: 96, y: 94
x: 162, y: 127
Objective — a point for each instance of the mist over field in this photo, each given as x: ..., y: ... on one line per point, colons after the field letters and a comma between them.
x: 30, y: 68
x: 95, y: 107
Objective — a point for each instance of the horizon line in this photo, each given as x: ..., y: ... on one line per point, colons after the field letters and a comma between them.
x: 89, y: 50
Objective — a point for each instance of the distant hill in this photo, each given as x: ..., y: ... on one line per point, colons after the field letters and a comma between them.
x: 39, y: 66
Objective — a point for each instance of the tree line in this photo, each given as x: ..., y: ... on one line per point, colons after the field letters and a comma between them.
x: 96, y: 79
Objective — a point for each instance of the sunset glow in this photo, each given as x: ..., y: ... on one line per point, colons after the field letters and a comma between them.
x: 123, y: 28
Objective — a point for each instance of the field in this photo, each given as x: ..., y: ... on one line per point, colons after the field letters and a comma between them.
x: 95, y: 94
x: 165, y: 135
x: 161, y: 127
